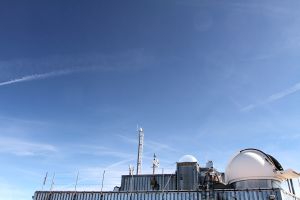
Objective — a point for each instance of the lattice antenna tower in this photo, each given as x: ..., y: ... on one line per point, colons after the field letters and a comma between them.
x: 140, y: 150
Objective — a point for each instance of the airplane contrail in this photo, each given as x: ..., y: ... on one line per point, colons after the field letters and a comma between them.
x: 37, y: 76
x: 274, y: 97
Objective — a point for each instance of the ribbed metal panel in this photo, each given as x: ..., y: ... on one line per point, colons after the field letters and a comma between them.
x: 167, y: 195
x: 187, y: 176
x: 143, y: 182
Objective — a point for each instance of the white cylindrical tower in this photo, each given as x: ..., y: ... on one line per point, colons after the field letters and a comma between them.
x: 140, y: 151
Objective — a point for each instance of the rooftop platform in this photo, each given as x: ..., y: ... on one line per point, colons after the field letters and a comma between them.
x: 227, y: 194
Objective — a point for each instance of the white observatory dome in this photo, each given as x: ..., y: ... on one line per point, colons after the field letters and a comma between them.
x: 250, y: 164
x: 187, y: 158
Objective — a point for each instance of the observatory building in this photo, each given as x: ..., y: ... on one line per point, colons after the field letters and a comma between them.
x: 250, y: 174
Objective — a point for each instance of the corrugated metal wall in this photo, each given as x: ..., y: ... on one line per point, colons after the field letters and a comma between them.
x: 187, y: 176
x: 142, y: 182
x: 174, y: 195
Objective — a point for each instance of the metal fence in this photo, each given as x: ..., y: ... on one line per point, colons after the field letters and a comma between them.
x: 259, y: 194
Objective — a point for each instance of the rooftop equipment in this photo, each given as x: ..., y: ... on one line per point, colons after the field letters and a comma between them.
x: 155, y: 163
x: 187, y: 173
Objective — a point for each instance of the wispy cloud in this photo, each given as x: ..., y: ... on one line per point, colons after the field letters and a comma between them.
x: 90, y: 177
x: 37, y: 77
x: 284, y: 93
x: 16, y: 71
x: 128, y: 139
x: 24, y: 148
x: 249, y: 107
x: 274, y: 97
x: 160, y: 146
x: 15, y: 120
x: 10, y: 192
x: 149, y: 143
x: 103, y: 151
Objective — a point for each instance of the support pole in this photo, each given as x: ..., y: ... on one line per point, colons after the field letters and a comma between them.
x: 76, y: 181
x: 45, y: 179
x: 52, y: 182
x: 102, y: 181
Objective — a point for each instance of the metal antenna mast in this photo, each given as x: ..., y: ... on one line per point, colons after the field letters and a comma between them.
x: 140, y: 151
x: 131, y: 169
x: 155, y: 164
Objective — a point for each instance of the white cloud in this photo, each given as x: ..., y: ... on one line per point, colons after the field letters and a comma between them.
x: 37, y: 77
x: 284, y: 93
x: 274, y: 97
x: 102, y: 151
x: 24, y: 148
x: 248, y: 107
x: 16, y: 71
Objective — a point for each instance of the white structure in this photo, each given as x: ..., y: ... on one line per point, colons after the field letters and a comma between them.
x: 254, y: 167
x: 155, y: 164
x: 187, y: 158
x: 140, y: 151
x: 187, y: 173
x: 250, y: 164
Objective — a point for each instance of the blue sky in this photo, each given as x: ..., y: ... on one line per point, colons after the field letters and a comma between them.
x: 206, y: 78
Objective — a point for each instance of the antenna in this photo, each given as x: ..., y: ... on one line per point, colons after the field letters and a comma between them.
x: 140, y: 151
x: 131, y: 169
x: 52, y: 182
x: 45, y: 179
x: 76, y: 181
x: 102, y: 181
x: 155, y: 163
x: 163, y: 178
